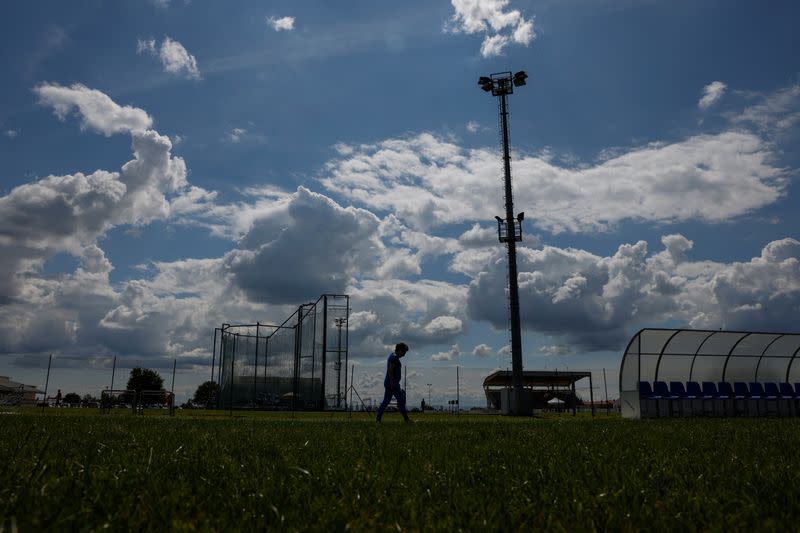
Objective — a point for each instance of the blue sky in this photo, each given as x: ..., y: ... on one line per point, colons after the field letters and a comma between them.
x: 166, y: 166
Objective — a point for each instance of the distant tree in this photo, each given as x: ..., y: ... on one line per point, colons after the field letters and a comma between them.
x: 72, y: 397
x: 145, y: 379
x: 205, y: 392
x: 88, y: 398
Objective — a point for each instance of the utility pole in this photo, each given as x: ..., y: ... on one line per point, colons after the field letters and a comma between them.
x: 47, y: 379
x: 510, y: 230
x: 113, y: 371
x: 172, y: 389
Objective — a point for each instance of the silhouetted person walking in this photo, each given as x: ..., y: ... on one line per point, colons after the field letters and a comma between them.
x: 391, y: 383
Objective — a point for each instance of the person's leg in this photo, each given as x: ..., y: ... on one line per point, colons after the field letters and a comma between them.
x: 387, y: 397
x: 401, y: 403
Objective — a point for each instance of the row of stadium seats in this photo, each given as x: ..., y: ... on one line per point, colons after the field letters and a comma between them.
x: 718, y: 399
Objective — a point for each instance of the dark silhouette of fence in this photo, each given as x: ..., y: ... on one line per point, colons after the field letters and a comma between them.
x: 300, y: 364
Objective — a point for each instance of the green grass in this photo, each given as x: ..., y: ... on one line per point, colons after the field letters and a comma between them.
x: 77, y: 469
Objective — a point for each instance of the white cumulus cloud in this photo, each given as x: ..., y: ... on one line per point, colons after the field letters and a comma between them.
x: 493, y: 45
x: 773, y: 112
x: 97, y: 111
x: 500, y: 25
x: 453, y: 353
x: 173, y: 55
x: 591, y: 302
x: 236, y: 134
x: 146, y: 45
x: 281, y: 24
x: 69, y: 214
x: 482, y: 350
x: 711, y: 94
x: 429, y: 181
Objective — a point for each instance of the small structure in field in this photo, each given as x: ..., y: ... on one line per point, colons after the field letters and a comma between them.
x: 15, y: 393
x: 540, y: 386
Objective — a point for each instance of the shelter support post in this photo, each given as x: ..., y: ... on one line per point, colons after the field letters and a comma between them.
x: 591, y: 393
x: 574, y: 400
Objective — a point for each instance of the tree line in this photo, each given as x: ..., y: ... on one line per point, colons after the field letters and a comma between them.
x: 146, y: 379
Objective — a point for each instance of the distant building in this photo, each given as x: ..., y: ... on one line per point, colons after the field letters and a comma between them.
x: 540, y: 387
x: 14, y: 393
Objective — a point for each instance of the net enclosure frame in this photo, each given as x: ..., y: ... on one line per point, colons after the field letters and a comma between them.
x: 694, y: 372
x: 299, y: 364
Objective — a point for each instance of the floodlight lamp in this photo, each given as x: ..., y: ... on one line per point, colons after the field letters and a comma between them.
x: 487, y: 87
x: 521, y: 216
x: 483, y: 80
x: 500, y: 220
x: 519, y: 78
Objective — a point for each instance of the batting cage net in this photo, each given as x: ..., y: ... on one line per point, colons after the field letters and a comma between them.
x: 300, y: 364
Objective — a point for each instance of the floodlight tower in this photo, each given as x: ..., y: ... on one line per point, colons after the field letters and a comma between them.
x: 339, y: 322
x: 509, y: 230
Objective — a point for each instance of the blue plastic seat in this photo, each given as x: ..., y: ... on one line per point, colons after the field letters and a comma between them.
x: 773, y: 403
x: 710, y: 389
x: 789, y: 399
x: 745, y: 402
x: 648, y: 403
x: 740, y: 390
x: 725, y: 390
x: 727, y: 405
x: 660, y: 389
x: 678, y: 400
x: 692, y: 402
x: 676, y: 389
x: 709, y: 395
x: 759, y: 399
x: 771, y: 390
x: 663, y: 398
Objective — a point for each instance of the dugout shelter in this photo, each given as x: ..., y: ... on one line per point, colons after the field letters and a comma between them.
x: 684, y: 372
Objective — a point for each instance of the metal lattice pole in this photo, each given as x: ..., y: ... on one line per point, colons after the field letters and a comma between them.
x: 516, y: 333
x: 510, y: 230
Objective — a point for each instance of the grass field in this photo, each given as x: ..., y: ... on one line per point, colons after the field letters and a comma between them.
x: 79, y: 470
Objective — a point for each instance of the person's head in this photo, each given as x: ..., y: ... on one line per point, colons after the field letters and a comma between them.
x: 400, y: 349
